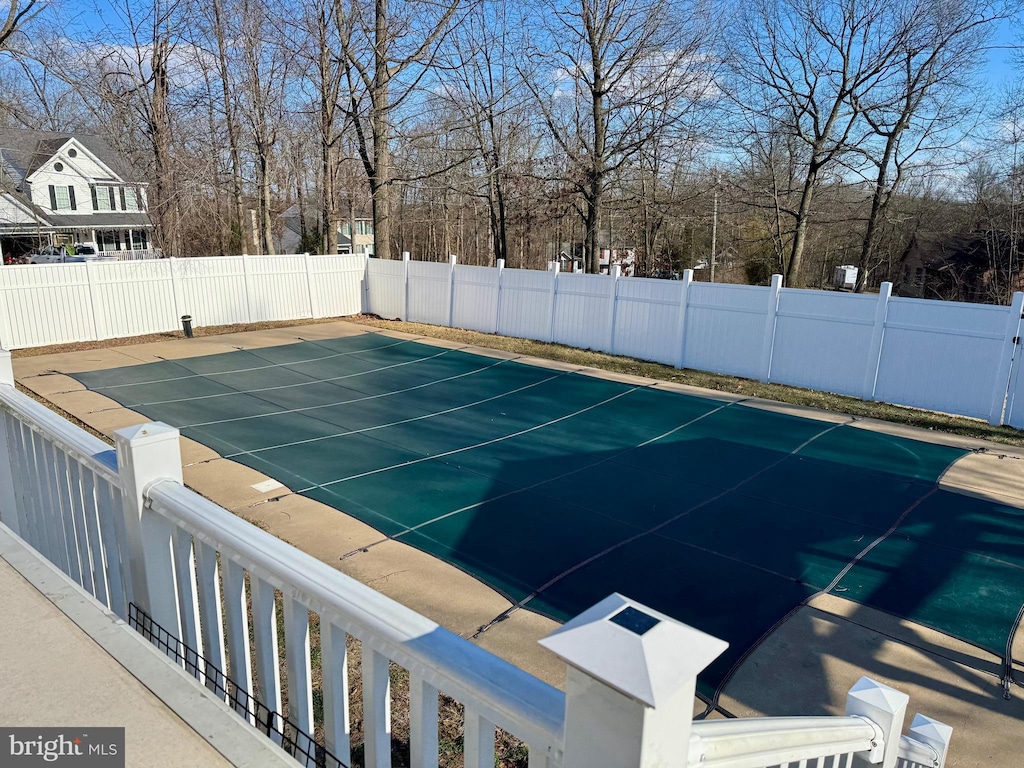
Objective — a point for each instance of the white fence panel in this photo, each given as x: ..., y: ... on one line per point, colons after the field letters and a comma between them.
x: 212, y: 290
x: 45, y: 304
x: 385, y: 281
x: 941, y: 355
x: 525, y: 308
x: 725, y: 328
x: 823, y: 340
x: 430, y: 285
x: 647, y: 317
x: 132, y: 298
x: 1015, y: 396
x: 336, y: 284
x: 278, y: 287
x: 582, y: 316
x: 475, y: 299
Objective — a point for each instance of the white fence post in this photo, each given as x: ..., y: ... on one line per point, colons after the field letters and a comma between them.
x: 452, y: 260
x: 554, y: 297
x: 632, y: 674
x: 497, y: 302
x: 405, y: 300
x: 309, y: 284
x: 248, y: 287
x: 614, y: 273
x: 1006, y: 359
x: 877, y: 339
x: 768, y: 344
x: 681, y: 324
x: 885, y: 707
x: 146, y: 454
x: 10, y: 515
x: 933, y: 733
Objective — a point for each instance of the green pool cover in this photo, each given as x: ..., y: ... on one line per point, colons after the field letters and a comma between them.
x: 557, y: 488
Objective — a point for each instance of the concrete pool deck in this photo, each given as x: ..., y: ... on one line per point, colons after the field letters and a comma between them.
x: 804, y: 667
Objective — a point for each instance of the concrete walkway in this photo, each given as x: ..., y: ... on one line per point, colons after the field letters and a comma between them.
x: 66, y: 662
x: 805, y: 668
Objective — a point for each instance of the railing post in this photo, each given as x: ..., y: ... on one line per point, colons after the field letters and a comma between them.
x: 768, y: 344
x: 497, y: 300
x: 452, y: 260
x: 681, y: 344
x: 10, y: 515
x: 554, y: 297
x: 615, y: 272
x: 933, y: 733
x: 632, y: 675
x: 885, y: 707
x: 405, y: 284
x: 1006, y: 359
x: 877, y: 339
x: 146, y: 454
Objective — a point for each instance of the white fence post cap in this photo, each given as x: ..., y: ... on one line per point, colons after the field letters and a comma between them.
x: 143, y: 434
x: 636, y: 650
x: 878, y: 695
x: 933, y: 733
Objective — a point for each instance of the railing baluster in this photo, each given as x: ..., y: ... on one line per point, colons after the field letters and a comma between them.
x: 77, y: 507
x: 334, y: 661
x: 376, y: 708
x: 108, y: 509
x: 55, y: 550
x: 423, y: 747
x: 538, y: 757
x: 28, y: 515
x: 237, y: 630
x: 188, y: 601
x: 64, y: 508
x: 478, y: 741
x: 300, y: 688
x: 97, y: 564
x: 268, y: 672
x: 208, y: 586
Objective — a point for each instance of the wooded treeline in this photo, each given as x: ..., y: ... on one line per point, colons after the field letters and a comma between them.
x: 783, y: 136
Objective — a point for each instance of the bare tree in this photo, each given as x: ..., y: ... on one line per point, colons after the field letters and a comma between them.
x: 19, y: 12
x: 388, y: 48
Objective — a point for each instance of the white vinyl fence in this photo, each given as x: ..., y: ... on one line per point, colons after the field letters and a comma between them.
x: 220, y: 596
x: 947, y: 356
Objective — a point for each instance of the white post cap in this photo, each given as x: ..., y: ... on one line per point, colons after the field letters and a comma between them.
x: 636, y: 650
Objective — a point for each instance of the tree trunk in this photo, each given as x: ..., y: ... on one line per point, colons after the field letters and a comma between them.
x: 800, y: 233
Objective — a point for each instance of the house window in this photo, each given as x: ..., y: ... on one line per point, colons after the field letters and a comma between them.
x: 58, y: 167
x: 130, y: 199
x: 103, y: 199
x: 62, y: 198
x: 72, y: 152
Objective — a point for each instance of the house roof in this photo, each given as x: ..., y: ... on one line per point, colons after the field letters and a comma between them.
x: 23, y: 151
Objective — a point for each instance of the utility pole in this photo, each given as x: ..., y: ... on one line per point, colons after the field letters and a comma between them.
x: 714, y: 229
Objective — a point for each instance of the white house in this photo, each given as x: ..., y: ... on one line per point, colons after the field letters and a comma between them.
x: 60, y: 188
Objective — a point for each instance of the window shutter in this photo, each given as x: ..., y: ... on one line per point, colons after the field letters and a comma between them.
x: 53, y: 199
x: 122, y: 199
x: 95, y: 202
x: 71, y: 197
x: 110, y: 197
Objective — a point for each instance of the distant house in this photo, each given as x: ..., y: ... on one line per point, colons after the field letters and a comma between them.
x: 293, y: 222
x: 62, y: 188
x: 974, y: 266
x: 571, y: 255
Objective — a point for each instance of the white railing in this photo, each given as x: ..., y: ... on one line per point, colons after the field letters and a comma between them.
x: 130, y: 533
x: 133, y: 254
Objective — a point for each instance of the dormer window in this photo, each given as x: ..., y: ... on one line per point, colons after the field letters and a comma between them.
x: 58, y: 167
